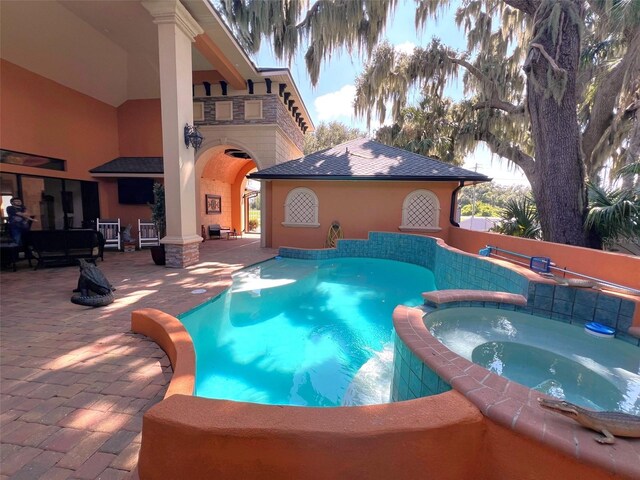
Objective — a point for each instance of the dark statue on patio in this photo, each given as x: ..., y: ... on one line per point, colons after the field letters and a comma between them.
x: 94, y: 290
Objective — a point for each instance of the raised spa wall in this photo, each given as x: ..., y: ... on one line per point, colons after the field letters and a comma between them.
x: 484, y: 427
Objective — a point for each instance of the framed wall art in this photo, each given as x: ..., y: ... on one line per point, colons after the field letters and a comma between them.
x: 213, y: 203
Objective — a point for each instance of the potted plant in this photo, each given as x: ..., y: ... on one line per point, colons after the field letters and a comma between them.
x: 159, y: 217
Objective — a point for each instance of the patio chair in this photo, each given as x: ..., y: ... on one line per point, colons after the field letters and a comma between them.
x: 147, y: 234
x: 216, y: 231
x: 110, y: 229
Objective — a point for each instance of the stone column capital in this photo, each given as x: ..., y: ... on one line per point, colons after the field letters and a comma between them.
x: 173, y: 12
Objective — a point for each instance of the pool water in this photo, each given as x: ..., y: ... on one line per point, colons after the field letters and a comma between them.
x: 552, y: 357
x: 301, y: 332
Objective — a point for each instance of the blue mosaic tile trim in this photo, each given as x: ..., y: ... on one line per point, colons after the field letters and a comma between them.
x: 412, y: 378
x: 580, y: 306
x: 622, y: 325
x: 454, y: 271
x: 451, y: 269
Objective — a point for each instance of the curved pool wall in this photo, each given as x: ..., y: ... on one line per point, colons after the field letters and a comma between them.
x: 445, y: 435
x: 485, y: 427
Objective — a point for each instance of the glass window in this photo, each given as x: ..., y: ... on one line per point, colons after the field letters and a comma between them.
x: 28, y: 160
x: 8, y: 189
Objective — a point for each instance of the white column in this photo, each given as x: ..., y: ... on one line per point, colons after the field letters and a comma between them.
x: 176, y: 31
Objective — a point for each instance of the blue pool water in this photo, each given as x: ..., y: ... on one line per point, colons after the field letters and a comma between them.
x: 553, y: 357
x: 300, y: 332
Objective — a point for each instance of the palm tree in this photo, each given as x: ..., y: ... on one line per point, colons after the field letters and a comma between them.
x: 520, y: 219
x: 614, y: 214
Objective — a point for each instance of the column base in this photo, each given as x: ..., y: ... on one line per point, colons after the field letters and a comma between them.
x: 181, y: 256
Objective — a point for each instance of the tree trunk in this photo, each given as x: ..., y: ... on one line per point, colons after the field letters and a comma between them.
x: 559, y: 185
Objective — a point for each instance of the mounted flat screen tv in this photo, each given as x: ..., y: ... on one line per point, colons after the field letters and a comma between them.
x: 135, y: 191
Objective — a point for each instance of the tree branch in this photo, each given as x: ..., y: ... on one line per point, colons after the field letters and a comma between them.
x: 500, y: 105
x: 493, y: 103
x: 549, y: 58
x: 605, y: 101
x: 471, y: 68
x: 508, y: 151
x: 527, y: 6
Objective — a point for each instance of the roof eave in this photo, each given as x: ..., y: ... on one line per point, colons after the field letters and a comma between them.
x: 405, y: 178
x: 128, y: 174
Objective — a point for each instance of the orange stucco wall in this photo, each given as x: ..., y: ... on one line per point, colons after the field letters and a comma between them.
x: 359, y: 206
x: 42, y: 117
x: 223, y: 189
x: 614, y: 267
x: 140, y: 128
x: 111, y: 208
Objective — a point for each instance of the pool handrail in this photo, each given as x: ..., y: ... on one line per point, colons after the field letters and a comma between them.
x: 565, y: 270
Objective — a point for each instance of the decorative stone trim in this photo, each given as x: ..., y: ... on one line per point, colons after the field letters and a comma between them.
x: 253, y: 110
x: 273, y: 112
x: 181, y: 256
x: 224, y: 110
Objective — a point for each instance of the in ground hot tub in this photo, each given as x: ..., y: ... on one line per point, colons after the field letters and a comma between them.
x: 552, y: 357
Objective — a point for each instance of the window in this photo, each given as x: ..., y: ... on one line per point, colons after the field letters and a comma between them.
x: 420, y: 211
x: 28, y: 160
x: 301, y: 208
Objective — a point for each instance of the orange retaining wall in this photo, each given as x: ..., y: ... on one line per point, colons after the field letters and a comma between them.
x: 439, y: 437
x: 613, y: 267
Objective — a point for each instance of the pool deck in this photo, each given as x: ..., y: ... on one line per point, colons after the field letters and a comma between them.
x: 74, y: 381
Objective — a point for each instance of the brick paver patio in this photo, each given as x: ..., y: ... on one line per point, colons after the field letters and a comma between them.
x: 75, y: 381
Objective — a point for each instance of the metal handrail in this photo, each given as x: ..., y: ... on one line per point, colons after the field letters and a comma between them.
x: 563, y: 270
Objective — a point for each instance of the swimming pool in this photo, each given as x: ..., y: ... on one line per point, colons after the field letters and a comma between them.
x: 552, y: 357
x: 301, y: 332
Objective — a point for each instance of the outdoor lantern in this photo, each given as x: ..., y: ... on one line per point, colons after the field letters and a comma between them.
x: 192, y: 136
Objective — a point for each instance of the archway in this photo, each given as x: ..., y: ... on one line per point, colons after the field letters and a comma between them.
x: 221, y: 171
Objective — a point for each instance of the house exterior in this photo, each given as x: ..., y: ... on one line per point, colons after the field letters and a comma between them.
x: 364, y: 186
x: 94, y: 100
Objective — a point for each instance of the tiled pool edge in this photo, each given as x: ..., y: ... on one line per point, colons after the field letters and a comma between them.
x: 454, y: 270
x: 507, y: 403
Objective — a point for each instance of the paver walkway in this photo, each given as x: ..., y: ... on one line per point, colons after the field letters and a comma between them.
x: 74, y: 381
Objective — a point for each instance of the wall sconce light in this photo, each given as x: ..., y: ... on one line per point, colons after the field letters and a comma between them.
x: 192, y: 136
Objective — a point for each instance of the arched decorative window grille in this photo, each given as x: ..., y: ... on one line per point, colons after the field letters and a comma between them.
x: 420, y: 211
x: 301, y: 208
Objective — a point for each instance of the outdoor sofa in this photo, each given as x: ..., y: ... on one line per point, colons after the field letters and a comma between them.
x: 63, y: 247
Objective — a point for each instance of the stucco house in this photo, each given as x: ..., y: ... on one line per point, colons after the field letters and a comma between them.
x: 94, y: 100
x: 365, y: 186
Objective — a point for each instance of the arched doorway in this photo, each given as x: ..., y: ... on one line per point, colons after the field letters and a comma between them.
x: 252, y: 206
x: 221, y: 171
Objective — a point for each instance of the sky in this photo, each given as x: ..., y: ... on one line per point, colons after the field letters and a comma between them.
x: 331, y: 99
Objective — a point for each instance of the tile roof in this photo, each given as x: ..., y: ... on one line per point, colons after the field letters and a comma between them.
x: 128, y: 165
x: 364, y: 159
